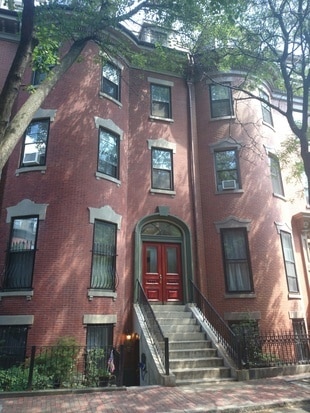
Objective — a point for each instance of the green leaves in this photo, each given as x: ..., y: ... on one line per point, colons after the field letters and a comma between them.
x: 46, y: 54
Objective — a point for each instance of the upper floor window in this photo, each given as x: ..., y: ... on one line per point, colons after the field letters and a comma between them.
x: 35, y: 143
x: 111, y: 78
x: 289, y: 262
x: 221, y: 101
x: 21, y: 253
x: 153, y: 34
x: 236, y: 260
x: 38, y: 77
x: 266, y: 109
x: 108, y: 153
x: 162, y: 169
x: 276, y: 177
x: 104, y: 256
x: 227, y: 169
x: 161, y: 101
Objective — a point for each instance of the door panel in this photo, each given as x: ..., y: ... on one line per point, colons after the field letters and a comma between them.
x: 162, y: 272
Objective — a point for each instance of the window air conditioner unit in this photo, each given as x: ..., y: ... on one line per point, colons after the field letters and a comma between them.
x: 229, y: 184
x: 31, y: 158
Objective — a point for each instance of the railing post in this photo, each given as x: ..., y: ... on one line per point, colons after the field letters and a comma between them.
x: 121, y: 365
x: 31, y: 367
x: 167, y: 355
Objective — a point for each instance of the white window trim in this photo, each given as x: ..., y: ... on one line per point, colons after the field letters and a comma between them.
x: 108, y: 124
x: 162, y: 144
x: 105, y: 213
x: 121, y: 67
x: 283, y: 227
x: 24, y: 208
x: 40, y: 114
x: 161, y: 82
x: 233, y: 222
x: 15, y: 320
x: 99, y: 319
x: 226, y: 144
x: 271, y: 152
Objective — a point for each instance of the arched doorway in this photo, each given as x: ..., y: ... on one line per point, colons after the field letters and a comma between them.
x: 163, y: 258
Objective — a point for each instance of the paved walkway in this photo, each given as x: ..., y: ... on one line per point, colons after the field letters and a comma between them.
x: 228, y: 397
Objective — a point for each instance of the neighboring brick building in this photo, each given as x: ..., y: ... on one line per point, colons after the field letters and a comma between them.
x: 127, y: 174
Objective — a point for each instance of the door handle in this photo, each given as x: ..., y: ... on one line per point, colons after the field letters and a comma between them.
x: 160, y: 278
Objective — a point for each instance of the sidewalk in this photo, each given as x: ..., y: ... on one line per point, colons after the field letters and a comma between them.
x: 228, y: 397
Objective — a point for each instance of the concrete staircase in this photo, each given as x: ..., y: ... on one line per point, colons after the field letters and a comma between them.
x: 192, y: 358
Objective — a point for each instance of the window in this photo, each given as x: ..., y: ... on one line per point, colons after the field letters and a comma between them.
x: 21, y: 253
x: 12, y: 345
x: 162, y: 169
x: 99, y: 335
x: 104, y: 256
x: 227, y: 169
x: 289, y: 261
x: 221, y: 101
x: 161, y: 101
x: 111, y: 76
x: 108, y: 153
x: 302, y: 351
x: 35, y: 143
x: 236, y: 260
x: 276, y: 177
x: 38, y: 77
x: 266, y: 109
x: 153, y: 35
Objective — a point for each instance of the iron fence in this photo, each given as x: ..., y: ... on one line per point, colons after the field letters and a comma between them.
x: 274, y: 349
x: 51, y: 367
x: 160, y: 341
x: 255, y: 349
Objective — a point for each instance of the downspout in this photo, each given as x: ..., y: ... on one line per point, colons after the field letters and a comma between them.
x: 198, y: 238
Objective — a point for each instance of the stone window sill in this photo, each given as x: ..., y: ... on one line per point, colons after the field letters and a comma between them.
x: 91, y: 293
x: 28, y: 294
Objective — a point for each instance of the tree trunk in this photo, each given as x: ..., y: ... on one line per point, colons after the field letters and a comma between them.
x: 304, y: 151
x: 14, y: 78
x: 21, y: 120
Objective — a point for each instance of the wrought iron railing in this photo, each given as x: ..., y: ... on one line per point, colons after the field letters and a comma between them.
x: 160, y: 341
x: 224, y: 334
x: 18, y: 271
x: 275, y: 349
x: 51, y: 367
x: 252, y: 349
x: 104, y: 267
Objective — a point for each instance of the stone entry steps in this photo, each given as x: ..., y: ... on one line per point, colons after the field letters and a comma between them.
x: 192, y: 358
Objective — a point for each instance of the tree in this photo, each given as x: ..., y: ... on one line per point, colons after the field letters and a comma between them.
x: 269, y: 42
x: 45, y: 29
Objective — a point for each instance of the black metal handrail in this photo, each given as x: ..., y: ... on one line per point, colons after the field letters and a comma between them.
x: 224, y: 334
x: 161, y: 342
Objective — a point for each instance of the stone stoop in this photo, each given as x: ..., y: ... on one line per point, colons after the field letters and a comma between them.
x: 192, y: 358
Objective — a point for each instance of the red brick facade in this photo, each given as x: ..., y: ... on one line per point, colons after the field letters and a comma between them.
x: 70, y: 189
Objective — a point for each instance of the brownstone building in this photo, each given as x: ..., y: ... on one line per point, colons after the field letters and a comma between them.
x: 128, y: 175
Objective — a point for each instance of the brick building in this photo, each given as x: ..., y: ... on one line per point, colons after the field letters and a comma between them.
x: 129, y: 175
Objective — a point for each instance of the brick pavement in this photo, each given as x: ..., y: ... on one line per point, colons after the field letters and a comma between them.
x: 228, y: 397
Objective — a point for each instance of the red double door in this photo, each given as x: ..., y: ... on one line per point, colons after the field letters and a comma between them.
x: 162, y: 272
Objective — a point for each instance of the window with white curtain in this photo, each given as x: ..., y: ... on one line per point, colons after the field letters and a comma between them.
x: 289, y: 261
x: 236, y: 260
